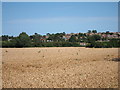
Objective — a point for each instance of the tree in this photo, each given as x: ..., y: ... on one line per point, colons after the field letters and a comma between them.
x: 5, y: 37
x: 72, y: 39
x: 89, y: 31
x: 94, y: 31
x: 81, y: 35
x: 58, y: 37
x: 93, y: 38
x: 48, y: 34
x: 115, y: 42
x: 15, y: 42
x: 23, y: 40
x: 97, y: 37
x: 63, y: 33
x: 36, y: 39
x: 107, y: 32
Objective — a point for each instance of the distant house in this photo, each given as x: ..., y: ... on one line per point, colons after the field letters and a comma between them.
x: 49, y: 41
x: 83, y: 44
x: 67, y: 37
x: 9, y: 39
x: 42, y: 40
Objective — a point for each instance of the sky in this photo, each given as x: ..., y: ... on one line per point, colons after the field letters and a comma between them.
x: 56, y: 17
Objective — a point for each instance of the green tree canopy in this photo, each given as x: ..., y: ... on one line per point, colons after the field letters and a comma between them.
x: 73, y: 38
x: 89, y: 31
x: 94, y: 31
x: 93, y: 38
x: 23, y: 40
x: 36, y: 39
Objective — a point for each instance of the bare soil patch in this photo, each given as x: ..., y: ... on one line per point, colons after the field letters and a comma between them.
x: 59, y: 67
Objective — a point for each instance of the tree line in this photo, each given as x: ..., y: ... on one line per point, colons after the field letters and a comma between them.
x: 58, y: 40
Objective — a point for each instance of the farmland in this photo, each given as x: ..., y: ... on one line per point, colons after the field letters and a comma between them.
x: 59, y: 67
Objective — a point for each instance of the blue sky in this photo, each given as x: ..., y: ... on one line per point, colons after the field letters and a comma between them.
x: 53, y: 17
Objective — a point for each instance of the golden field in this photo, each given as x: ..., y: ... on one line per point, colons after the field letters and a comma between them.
x: 59, y: 67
